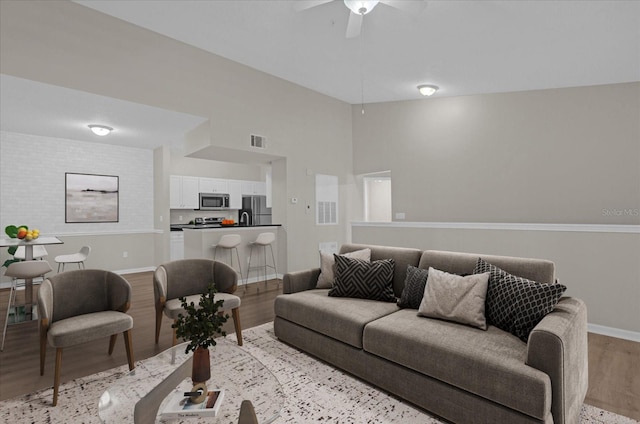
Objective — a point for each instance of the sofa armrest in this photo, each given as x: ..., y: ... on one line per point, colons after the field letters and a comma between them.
x: 293, y: 282
x: 558, y: 347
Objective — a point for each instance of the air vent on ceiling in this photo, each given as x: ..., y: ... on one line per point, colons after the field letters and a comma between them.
x: 258, y: 141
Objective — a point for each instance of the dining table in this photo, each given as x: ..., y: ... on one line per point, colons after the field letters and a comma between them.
x: 28, y: 256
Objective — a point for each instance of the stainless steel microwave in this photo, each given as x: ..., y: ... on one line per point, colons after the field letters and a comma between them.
x: 213, y: 201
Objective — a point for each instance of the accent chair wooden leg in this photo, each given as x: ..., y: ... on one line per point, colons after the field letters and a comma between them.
x: 43, y: 348
x: 158, y: 323
x: 235, y: 312
x: 56, y: 375
x: 129, y: 348
x: 112, y: 342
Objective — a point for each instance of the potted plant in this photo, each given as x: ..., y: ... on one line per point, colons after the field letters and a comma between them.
x: 201, y: 324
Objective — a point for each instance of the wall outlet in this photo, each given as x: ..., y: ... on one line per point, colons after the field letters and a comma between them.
x: 294, y: 200
x: 180, y: 218
x: 399, y: 215
x: 125, y: 254
x: 160, y: 218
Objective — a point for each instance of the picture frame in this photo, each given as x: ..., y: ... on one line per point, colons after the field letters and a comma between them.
x: 91, y: 198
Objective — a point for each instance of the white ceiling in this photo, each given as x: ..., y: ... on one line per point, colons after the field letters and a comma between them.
x: 31, y: 107
x: 465, y: 47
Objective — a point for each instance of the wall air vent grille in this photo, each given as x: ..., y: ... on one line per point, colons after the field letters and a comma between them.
x: 258, y: 141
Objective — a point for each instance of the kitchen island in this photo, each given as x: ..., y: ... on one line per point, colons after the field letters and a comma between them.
x: 198, y: 243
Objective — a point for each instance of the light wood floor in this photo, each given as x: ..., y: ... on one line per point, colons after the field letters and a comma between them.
x: 614, y: 364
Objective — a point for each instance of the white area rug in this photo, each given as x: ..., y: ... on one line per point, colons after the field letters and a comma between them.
x: 315, y: 391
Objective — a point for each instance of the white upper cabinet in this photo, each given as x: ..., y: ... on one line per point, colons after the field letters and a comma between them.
x: 214, y: 185
x: 254, y: 188
x: 235, y: 194
x: 183, y: 192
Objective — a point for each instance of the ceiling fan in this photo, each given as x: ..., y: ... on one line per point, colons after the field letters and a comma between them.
x: 359, y: 8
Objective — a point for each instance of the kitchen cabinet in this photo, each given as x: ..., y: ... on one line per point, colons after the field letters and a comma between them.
x: 254, y: 188
x: 214, y: 185
x: 176, y: 250
x: 235, y: 194
x: 183, y: 192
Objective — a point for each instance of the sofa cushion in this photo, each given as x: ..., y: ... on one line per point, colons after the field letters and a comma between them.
x: 414, y: 285
x: 490, y: 364
x: 455, y: 298
x: 402, y: 257
x: 341, y: 318
x: 516, y: 304
x: 364, y: 280
x: 328, y: 266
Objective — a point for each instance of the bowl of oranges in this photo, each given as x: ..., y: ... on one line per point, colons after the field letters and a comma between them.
x: 228, y: 222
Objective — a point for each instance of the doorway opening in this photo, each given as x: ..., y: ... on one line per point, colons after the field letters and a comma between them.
x: 377, y: 196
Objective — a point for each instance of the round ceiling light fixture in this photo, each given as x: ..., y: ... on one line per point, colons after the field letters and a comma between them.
x: 361, y: 7
x: 100, y: 130
x: 427, y: 89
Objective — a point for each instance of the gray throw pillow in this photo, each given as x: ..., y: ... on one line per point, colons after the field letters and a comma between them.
x: 328, y: 265
x: 516, y: 304
x: 414, y: 285
x: 364, y: 280
x: 455, y: 298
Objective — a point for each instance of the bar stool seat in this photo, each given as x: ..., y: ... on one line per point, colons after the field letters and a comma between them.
x: 229, y: 242
x: 21, y: 271
x: 39, y: 252
x: 73, y: 258
x: 262, y: 241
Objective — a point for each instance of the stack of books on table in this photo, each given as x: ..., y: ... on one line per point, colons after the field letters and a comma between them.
x: 180, y: 406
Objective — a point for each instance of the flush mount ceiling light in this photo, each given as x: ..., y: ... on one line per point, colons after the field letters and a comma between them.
x: 427, y: 89
x: 100, y: 130
x: 361, y: 7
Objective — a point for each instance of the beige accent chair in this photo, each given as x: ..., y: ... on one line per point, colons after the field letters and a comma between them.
x: 190, y: 278
x: 81, y: 306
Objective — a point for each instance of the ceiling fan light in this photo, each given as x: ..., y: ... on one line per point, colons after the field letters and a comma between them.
x: 100, y: 130
x: 361, y: 7
x: 427, y: 89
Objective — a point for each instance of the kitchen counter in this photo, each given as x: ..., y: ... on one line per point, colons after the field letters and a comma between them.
x: 199, y: 241
x: 180, y: 227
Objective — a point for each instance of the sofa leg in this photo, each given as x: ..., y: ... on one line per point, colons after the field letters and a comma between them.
x: 56, y: 375
x: 235, y: 312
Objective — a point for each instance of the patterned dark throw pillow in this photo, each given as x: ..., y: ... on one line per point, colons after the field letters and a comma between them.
x: 364, y: 280
x: 516, y: 304
x: 414, y: 285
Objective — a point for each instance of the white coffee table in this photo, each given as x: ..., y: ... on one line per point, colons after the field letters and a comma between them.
x: 137, y: 397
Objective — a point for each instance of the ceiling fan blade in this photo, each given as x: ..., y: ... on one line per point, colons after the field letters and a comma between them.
x: 408, y: 6
x: 354, y: 25
x: 301, y: 5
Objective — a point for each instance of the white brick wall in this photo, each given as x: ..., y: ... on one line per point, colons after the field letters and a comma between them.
x: 32, y: 182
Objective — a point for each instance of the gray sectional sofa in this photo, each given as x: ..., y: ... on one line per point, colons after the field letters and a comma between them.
x: 461, y: 373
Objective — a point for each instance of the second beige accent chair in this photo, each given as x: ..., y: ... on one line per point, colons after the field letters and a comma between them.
x: 190, y: 278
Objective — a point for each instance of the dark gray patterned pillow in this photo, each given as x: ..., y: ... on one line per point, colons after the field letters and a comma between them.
x: 414, y: 285
x: 515, y: 304
x: 364, y: 280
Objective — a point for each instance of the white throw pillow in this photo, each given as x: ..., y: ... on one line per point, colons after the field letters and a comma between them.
x: 455, y: 298
x: 328, y: 266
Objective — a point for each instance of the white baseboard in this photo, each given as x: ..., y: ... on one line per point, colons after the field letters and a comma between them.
x: 135, y: 270
x: 258, y: 279
x: 618, y: 333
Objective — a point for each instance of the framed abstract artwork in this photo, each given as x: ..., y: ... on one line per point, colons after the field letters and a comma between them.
x: 91, y: 198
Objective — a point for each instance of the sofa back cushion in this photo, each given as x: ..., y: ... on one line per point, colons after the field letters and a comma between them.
x: 402, y: 257
x: 540, y: 270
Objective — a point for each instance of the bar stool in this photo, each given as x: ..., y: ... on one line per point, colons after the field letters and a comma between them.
x: 39, y: 252
x: 73, y: 258
x: 23, y: 271
x: 262, y: 241
x: 229, y: 242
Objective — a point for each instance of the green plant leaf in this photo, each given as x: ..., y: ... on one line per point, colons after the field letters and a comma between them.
x: 9, y: 262
x: 11, y: 231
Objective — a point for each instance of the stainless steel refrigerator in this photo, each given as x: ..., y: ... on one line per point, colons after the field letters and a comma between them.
x: 260, y: 213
